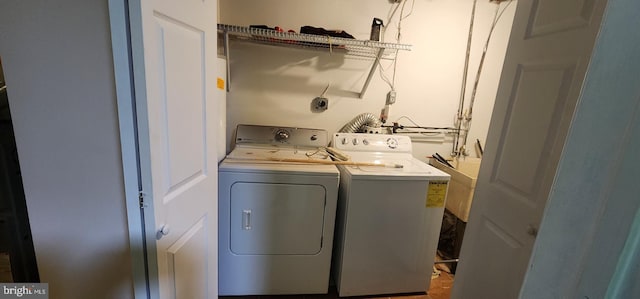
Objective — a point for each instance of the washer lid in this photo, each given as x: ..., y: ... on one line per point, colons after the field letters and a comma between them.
x: 412, y: 169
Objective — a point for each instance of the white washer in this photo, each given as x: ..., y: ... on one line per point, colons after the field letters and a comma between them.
x: 276, y: 219
x: 388, y: 219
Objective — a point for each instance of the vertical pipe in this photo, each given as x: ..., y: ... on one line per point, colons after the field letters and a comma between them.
x: 477, y: 80
x: 464, y: 80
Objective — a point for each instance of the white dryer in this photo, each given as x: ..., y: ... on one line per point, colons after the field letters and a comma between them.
x: 388, y: 218
x: 276, y: 217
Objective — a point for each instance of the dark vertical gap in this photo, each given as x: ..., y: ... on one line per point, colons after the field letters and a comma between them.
x: 15, y: 232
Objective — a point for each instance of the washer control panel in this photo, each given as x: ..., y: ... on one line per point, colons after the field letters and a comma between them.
x: 371, y: 142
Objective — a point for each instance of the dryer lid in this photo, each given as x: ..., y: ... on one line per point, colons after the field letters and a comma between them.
x: 259, y: 158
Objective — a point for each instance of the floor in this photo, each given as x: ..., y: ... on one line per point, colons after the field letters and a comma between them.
x: 440, y: 286
x: 440, y: 289
x: 441, y: 283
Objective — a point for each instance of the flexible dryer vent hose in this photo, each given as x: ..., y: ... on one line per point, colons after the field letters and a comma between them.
x: 364, y: 119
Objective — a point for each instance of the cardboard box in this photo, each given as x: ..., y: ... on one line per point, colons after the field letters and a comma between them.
x: 461, y: 186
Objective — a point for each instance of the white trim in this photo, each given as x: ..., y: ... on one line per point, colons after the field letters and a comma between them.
x: 137, y: 64
x: 126, y: 120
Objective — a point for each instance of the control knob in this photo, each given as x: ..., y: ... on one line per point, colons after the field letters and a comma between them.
x: 392, y: 143
x: 282, y: 136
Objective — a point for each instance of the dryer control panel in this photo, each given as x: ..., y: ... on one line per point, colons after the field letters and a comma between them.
x: 361, y: 142
x: 277, y: 136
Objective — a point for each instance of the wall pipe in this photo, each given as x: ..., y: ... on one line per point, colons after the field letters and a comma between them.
x: 463, y: 87
x: 469, y: 115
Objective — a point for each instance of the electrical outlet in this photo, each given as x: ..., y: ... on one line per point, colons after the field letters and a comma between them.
x: 391, y: 97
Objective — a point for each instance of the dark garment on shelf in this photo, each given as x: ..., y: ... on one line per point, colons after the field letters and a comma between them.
x: 322, y: 31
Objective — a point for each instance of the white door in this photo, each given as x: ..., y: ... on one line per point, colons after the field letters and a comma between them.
x: 548, y: 53
x: 174, y: 55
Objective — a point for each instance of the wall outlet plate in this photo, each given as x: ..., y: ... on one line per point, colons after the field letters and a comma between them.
x: 319, y: 104
x: 391, y: 97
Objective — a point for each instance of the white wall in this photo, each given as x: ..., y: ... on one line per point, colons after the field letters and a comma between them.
x: 275, y: 86
x: 59, y: 73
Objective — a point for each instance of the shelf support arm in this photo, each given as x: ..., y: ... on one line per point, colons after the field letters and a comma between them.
x: 371, y: 72
x: 225, y: 39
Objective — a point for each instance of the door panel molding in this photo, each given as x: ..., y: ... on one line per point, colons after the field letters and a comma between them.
x: 557, y: 77
x: 544, y: 22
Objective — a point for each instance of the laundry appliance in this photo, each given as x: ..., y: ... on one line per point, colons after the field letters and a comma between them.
x: 388, y: 218
x: 276, y: 212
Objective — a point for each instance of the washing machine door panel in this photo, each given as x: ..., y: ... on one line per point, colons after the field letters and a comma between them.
x: 276, y: 219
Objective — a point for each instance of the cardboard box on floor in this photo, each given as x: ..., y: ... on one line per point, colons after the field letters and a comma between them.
x: 461, y: 186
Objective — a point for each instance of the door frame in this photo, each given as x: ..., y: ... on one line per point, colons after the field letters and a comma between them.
x: 143, y: 272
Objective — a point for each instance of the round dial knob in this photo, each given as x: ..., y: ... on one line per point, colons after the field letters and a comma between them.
x: 344, y: 141
x: 365, y: 141
x: 354, y: 141
x: 392, y: 143
x: 282, y: 135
